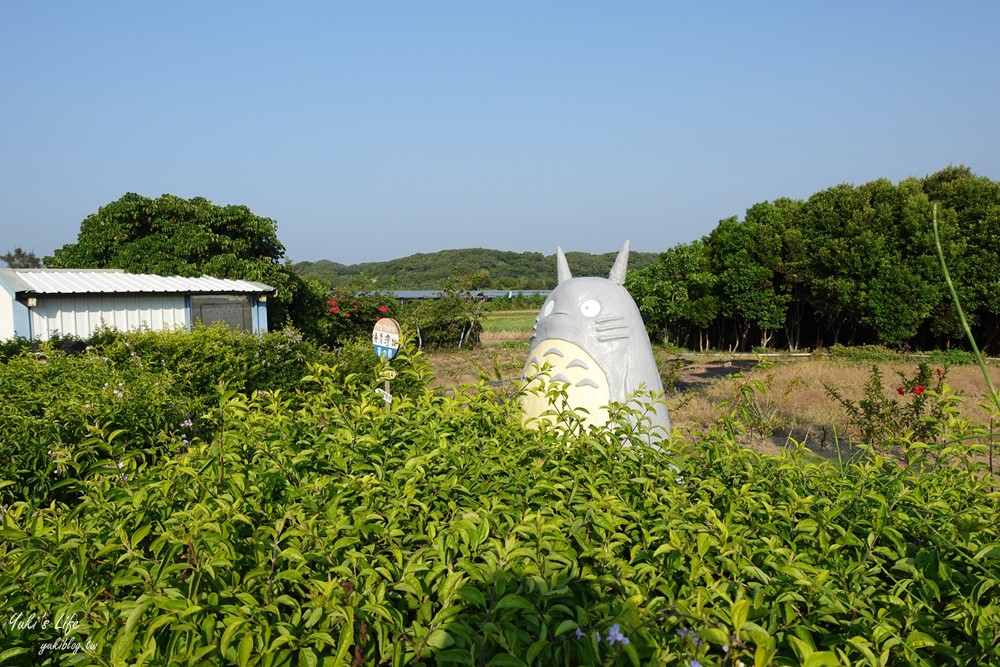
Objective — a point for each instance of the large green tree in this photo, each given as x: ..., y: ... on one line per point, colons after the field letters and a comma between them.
x: 746, y: 257
x: 170, y: 235
x: 852, y: 264
x: 676, y: 295
x: 971, y: 205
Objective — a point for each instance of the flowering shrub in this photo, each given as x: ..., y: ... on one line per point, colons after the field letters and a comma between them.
x: 351, y: 314
x: 883, y: 420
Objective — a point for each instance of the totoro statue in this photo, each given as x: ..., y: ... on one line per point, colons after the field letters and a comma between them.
x: 589, y: 335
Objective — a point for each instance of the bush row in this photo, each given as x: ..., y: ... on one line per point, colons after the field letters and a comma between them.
x: 321, y: 527
x: 66, y: 404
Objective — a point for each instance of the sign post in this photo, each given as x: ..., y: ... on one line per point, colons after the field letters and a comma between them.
x: 385, y: 338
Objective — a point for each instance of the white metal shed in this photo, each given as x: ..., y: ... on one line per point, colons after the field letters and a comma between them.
x: 39, y: 303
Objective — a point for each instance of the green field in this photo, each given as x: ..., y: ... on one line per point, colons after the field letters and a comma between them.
x: 509, y: 320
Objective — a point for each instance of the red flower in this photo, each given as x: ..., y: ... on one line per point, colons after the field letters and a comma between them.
x: 900, y: 391
x: 384, y: 310
x: 347, y: 314
x: 919, y: 389
x: 938, y: 370
x: 334, y: 310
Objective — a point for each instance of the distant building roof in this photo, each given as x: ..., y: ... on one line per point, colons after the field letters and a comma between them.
x: 488, y: 295
x: 116, y: 281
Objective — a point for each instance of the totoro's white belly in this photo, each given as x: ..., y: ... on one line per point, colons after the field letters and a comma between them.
x: 560, y: 364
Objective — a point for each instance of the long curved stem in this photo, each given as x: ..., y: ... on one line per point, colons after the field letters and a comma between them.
x: 961, y: 314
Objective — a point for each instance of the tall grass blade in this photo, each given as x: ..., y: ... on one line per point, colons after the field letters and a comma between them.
x: 961, y: 314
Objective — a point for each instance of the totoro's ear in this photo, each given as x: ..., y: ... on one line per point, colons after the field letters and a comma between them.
x: 620, y: 268
x: 562, y: 267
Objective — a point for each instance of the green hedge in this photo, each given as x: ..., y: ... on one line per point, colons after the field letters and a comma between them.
x: 123, y: 394
x: 323, y: 528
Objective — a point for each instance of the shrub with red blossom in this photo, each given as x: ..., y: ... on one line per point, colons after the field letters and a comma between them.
x: 351, y: 314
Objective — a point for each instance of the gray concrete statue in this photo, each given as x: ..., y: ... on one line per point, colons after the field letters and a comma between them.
x: 590, y: 336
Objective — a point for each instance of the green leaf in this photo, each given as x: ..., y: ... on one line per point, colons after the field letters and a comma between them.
x: 472, y: 595
x: 506, y: 660
x: 139, y: 534
x: 566, y: 626
x: 534, y: 650
x: 440, y: 639
x: 989, y: 551
x: 456, y: 655
x: 822, y: 659
x: 122, y: 648
x: 230, y: 632
x: 739, y: 614
x: 307, y: 657
x: 243, y: 652
x: 11, y: 653
x: 513, y: 602
x: 917, y: 639
x: 345, y: 641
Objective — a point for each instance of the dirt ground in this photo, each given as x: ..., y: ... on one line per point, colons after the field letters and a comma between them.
x: 795, y: 406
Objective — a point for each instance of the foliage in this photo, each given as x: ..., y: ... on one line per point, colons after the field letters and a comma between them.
x: 517, y: 300
x: 21, y: 259
x: 677, y: 295
x: 849, y: 265
x: 449, y: 321
x: 754, y: 408
x: 352, y: 312
x: 865, y: 353
x: 521, y: 321
x: 328, y: 528
x: 915, y: 409
x: 494, y: 269
x: 170, y: 235
x: 137, y: 394
x: 952, y: 357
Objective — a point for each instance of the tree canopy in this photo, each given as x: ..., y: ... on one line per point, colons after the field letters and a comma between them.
x: 170, y: 235
x: 21, y: 259
x: 852, y: 264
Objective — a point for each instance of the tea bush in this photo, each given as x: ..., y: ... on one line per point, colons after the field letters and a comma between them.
x: 152, y: 390
x: 322, y: 528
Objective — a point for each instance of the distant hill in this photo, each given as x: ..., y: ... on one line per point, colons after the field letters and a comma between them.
x: 494, y: 269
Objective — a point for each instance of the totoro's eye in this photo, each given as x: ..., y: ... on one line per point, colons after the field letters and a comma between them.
x: 590, y: 308
x: 548, y: 308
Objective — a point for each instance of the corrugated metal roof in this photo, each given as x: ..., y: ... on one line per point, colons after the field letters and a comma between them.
x: 113, y: 281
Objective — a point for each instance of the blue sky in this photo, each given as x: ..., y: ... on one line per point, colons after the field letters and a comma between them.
x: 374, y: 130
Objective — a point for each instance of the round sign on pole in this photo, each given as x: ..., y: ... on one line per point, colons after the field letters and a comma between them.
x: 385, y: 338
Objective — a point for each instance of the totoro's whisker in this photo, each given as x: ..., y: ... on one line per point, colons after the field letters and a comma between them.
x: 611, y: 328
x: 605, y: 339
x: 604, y: 320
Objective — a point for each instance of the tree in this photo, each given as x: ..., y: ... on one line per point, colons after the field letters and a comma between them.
x: 677, y: 294
x: 970, y: 204
x: 19, y: 259
x: 187, y: 237
x: 746, y: 257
